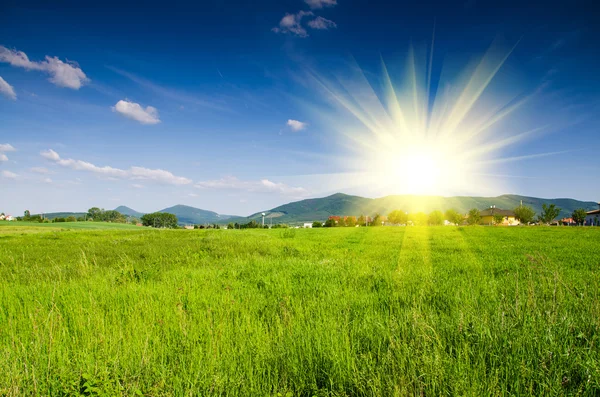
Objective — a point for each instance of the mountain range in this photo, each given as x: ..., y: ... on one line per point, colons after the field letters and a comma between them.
x: 319, y: 209
x: 342, y: 204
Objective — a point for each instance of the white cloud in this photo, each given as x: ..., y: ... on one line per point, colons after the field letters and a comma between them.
x: 296, y: 125
x: 7, y: 147
x: 260, y: 186
x: 7, y: 89
x: 50, y: 155
x: 9, y: 175
x: 63, y: 74
x: 291, y: 23
x: 317, y: 4
x: 137, y: 186
x: 40, y: 170
x: 135, y: 112
x: 321, y: 23
x: 133, y: 173
x: 47, y: 180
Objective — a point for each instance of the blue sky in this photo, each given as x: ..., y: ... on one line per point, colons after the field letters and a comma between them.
x: 238, y: 107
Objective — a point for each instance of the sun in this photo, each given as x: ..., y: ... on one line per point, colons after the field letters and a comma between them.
x: 405, y: 137
x: 420, y: 168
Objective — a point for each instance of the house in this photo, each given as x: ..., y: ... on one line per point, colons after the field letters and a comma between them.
x: 307, y: 225
x: 189, y: 227
x: 508, y: 217
x: 2, y: 217
x: 567, y: 222
x: 9, y: 218
x: 592, y: 218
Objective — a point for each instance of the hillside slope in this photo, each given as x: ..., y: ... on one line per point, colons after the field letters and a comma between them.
x: 191, y: 215
x: 128, y: 211
x: 343, y: 204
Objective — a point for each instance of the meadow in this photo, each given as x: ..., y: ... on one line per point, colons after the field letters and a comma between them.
x: 324, y: 312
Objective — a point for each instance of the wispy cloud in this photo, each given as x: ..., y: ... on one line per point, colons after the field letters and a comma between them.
x: 5, y: 147
x: 136, y: 112
x: 317, y: 4
x: 7, y: 90
x: 40, y: 170
x: 291, y: 24
x: 133, y: 173
x: 258, y: 186
x: 321, y: 23
x: 296, y: 125
x: 175, y: 95
x: 63, y: 74
x: 9, y: 175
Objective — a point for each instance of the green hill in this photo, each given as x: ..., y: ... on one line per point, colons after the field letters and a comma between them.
x: 128, y: 211
x: 343, y: 204
x: 52, y: 215
x: 190, y: 215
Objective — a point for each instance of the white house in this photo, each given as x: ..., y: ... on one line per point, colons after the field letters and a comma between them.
x: 592, y: 218
x: 2, y: 217
x: 9, y: 218
x: 307, y: 225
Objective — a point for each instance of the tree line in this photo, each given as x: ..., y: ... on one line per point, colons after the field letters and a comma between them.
x: 523, y: 213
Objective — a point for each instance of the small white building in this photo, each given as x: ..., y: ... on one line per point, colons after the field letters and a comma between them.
x: 592, y: 218
x: 307, y: 225
x: 9, y: 218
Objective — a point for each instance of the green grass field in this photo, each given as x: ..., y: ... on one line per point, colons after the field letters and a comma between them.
x: 34, y: 227
x: 323, y: 312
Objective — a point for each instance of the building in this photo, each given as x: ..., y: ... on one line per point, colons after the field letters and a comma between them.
x: 307, y: 225
x: 567, y: 222
x: 508, y: 217
x: 592, y: 218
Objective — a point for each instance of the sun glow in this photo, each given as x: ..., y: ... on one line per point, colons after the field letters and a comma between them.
x: 407, y: 138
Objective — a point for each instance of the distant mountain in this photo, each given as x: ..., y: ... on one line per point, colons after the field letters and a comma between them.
x: 319, y: 209
x: 128, y: 211
x: 190, y: 215
x: 52, y: 215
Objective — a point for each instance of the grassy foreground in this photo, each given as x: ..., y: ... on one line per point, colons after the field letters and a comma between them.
x: 35, y: 227
x: 341, y: 312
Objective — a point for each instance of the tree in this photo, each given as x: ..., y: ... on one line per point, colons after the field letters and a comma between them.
x: 498, y: 218
x: 230, y: 226
x: 549, y: 213
x: 454, y: 216
x: 329, y: 223
x: 376, y: 220
x: 27, y: 214
x: 94, y: 213
x: 71, y: 218
x: 160, y: 219
x: 397, y: 217
x: 524, y: 214
x: 435, y: 218
x: 362, y: 221
x: 419, y: 218
x: 474, y: 217
x: 317, y: 224
x: 579, y: 216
